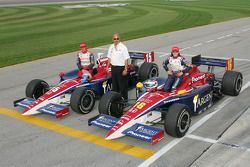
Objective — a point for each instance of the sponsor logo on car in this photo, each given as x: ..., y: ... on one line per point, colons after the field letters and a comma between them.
x: 126, y: 117
x: 132, y: 110
x: 142, y: 129
x: 195, y: 79
x: 138, y: 135
x: 106, y: 86
x: 146, y: 100
x: 200, y: 101
x: 120, y: 122
x: 103, y: 119
x: 101, y: 124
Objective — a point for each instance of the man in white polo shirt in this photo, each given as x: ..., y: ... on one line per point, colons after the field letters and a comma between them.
x: 118, y: 57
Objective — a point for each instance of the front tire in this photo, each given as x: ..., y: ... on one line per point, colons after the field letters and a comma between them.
x: 177, y: 120
x: 82, y: 100
x: 232, y: 83
x: 148, y: 70
x: 110, y: 104
x: 36, y: 88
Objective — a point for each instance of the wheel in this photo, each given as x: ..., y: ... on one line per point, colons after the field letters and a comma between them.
x: 36, y: 88
x: 110, y: 104
x: 148, y: 70
x: 232, y: 83
x: 177, y: 120
x: 82, y: 100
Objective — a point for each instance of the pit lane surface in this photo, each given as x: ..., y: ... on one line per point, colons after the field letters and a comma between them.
x: 222, y: 140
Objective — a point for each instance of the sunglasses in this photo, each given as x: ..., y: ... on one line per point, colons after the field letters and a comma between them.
x: 116, y: 38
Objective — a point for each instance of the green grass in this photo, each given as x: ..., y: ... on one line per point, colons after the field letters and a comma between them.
x: 35, y: 32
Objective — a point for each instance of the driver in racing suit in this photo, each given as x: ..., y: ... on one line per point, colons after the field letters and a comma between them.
x: 85, y: 60
x: 178, y: 67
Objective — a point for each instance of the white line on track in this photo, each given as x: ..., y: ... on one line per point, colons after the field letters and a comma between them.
x: 208, y: 140
x: 212, y: 40
x: 221, y: 37
x: 164, y: 54
x: 198, y: 44
x: 185, y: 48
x: 174, y: 142
x: 247, y: 29
x: 229, y: 35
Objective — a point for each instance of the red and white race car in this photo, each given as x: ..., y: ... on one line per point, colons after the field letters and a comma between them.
x: 172, y: 109
x: 78, y: 91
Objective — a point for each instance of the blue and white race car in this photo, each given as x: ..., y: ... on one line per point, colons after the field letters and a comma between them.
x: 172, y: 109
x: 79, y: 92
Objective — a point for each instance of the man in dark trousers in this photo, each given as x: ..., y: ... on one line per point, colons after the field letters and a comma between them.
x: 118, y: 57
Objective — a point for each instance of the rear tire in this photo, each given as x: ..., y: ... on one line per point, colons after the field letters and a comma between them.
x: 36, y: 88
x: 177, y: 120
x: 232, y: 83
x: 82, y: 100
x: 148, y: 70
x: 110, y: 104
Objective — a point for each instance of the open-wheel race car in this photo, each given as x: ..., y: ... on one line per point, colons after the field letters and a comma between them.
x: 173, y: 109
x: 78, y: 91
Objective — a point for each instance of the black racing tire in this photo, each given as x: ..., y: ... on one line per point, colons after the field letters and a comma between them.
x: 232, y: 83
x: 82, y: 100
x: 177, y: 120
x: 36, y: 88
x: 148, y: 70
x: 110, y: 104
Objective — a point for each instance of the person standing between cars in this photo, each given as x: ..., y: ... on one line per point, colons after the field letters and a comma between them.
x: 178, y: 67
x: 118, y: 58
x: 85, y: 60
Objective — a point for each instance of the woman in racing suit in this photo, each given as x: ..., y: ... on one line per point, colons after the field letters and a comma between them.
x: 85, y: 60
x: 177, y: 68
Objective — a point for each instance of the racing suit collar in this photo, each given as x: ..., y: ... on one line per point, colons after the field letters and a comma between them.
x: 84, y: 52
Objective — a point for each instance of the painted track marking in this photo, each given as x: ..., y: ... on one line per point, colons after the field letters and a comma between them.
x: 221, y: 37
x: 198, y: 44
x: 212, y: 40
x: 114, y: 145
x: 185, y: 48
x: 212, y: 141
x: 174, y: 142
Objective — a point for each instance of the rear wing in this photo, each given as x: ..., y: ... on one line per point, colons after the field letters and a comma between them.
x: 227, y: 63
x: 147, y: 57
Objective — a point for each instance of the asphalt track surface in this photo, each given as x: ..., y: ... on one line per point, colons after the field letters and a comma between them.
x: 218, y: 137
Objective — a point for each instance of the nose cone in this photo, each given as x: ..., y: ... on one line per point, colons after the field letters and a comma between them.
x: 114, y: 134
x: 31, y: 111
x: 26, y: 111
x: 119, y: 127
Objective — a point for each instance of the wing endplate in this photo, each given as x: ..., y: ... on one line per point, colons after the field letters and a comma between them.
x: 24, y: 102
x: 57, y: 110
x: 145, y: 133
x: 103, y: 121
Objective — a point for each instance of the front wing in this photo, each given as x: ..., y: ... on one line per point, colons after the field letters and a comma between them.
x: 56, y: 110
x: 139, y: 131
